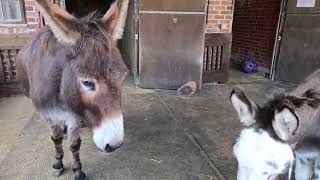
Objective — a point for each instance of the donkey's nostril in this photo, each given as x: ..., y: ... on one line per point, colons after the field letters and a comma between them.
x: 108, y: 148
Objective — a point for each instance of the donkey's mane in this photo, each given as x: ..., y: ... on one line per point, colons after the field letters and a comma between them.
x: 278, y: 102
x: 281, y: 100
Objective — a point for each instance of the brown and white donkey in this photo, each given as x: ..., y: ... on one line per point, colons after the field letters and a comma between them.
x: 73, y: 72
x: 282, y: 134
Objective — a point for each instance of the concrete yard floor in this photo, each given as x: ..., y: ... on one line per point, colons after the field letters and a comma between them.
x: 167, y: 136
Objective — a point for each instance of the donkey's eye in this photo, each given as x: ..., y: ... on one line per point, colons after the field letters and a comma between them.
x: 89, y: 84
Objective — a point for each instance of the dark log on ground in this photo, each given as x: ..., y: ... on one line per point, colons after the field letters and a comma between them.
x: 187, y: 89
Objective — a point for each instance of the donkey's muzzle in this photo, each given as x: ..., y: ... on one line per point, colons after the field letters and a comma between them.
x: 110, y: 134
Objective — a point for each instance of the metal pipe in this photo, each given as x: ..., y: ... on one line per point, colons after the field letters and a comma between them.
x: 278, y: 39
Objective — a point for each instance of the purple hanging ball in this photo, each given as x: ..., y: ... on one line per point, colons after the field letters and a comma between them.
x: 249, y: 66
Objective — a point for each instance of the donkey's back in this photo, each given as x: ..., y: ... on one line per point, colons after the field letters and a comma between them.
x: 307, y: 100
x: 312, y: 82
x: 40, y: 65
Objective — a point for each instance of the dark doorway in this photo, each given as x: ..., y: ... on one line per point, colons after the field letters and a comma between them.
x: 82, y: 8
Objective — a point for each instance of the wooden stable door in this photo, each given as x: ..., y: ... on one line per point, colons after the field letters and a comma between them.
x: 171, y: 42
x: 299, y: 53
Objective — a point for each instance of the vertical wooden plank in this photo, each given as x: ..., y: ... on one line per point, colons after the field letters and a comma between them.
x: 2, y: 78
x: 15, y: 55
x: 205, y: 57
x: 209, y: 60
x: 214, y: 56
x: 220, y: 57
x: 7, y: 65
x: 216, y: 67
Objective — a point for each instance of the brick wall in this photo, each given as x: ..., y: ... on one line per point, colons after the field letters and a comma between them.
x: 32, y: 20
x: 254, y: 30
x: 220, y: 16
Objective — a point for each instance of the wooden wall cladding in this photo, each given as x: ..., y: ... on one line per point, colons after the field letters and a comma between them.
x: 216, y: 59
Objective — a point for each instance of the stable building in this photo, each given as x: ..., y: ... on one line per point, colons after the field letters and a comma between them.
x: 170, y: 42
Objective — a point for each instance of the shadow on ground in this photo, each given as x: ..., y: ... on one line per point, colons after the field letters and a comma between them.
x: 167, y: 137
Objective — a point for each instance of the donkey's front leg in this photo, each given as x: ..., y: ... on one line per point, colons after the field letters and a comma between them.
x: 316, y: 175
x: 304, y: 167
x: 57, y: 138
x: 75, y: 143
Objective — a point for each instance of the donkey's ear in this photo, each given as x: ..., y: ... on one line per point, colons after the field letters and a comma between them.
x: 245, y: 108
x: 63, y: 25
x: 115, y: 18
x: 285, y: 123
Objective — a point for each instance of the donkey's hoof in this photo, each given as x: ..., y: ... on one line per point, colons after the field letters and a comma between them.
x: 57, y: 172
x: 81, y: 176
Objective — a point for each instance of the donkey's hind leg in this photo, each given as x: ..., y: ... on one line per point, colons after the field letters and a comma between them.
x: 57, y: 138
x: 75, y: 144
x: 316, y: 175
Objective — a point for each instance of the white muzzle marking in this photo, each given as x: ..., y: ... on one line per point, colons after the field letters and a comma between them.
x: 110, y: 132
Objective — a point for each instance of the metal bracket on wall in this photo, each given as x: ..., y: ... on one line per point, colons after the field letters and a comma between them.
x: 136, y: 37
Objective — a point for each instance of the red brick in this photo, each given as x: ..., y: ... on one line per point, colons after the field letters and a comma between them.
x: 29, y: 3
x: 32, y: 14
x: 225, y: 12
x: 213, y: 21
x: 212, y: 26
x: 213, y: 12
x: 225, y: 21
x: 226, y: 2
x: 214, y: 2
x: 220, y: 7
x: 210, y: 6
x: 33, y: 26
x: 218, y: 16
x: 210, y: 17
x: 32, y: 19
x: 29, y: 8
x: 11, y: 30
x: 228, y: 17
